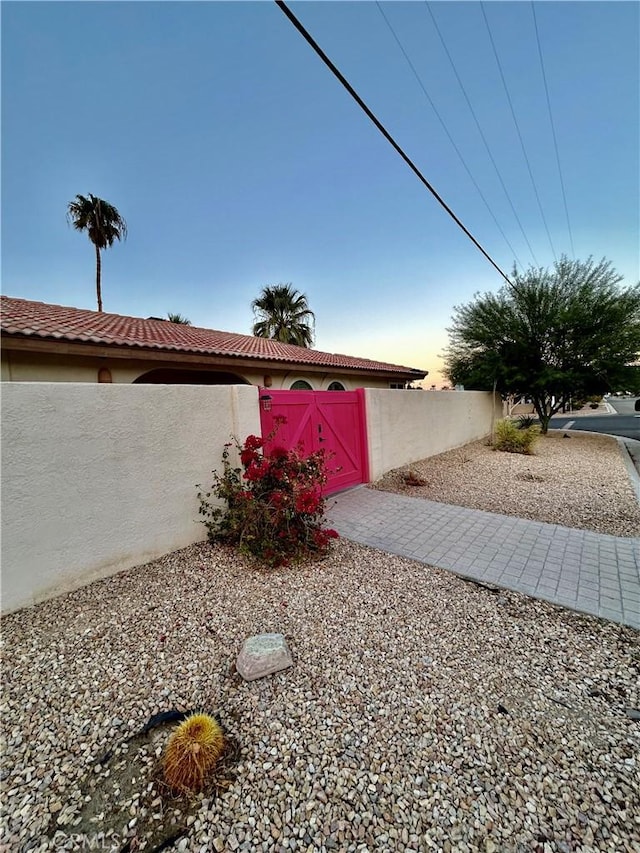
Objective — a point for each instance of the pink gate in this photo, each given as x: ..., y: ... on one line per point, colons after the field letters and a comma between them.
x: 333, y: 420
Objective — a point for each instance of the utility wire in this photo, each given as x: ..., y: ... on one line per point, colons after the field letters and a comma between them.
x: 446, y: 130
x: 515, y: 121
x: 310, y: 40
x: 553, y: 128
x: 480, y: 131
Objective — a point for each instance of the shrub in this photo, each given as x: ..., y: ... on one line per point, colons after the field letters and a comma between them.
x: 594, y: 405
x: 526, y: 421
x: 510, y: 438
x: 191, y: 753
x: 272, y: 505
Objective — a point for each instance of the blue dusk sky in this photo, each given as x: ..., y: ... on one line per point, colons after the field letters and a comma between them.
x: 238, y: 160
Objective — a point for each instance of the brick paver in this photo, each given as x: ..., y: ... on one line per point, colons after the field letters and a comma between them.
x: 585, y: 571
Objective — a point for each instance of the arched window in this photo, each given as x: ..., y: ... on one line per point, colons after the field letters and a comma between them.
x: 301, y: 385
x: 336, y: 386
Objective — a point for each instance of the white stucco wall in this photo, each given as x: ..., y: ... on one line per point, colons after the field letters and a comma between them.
x: 99, y: 478
x: 406, y: 426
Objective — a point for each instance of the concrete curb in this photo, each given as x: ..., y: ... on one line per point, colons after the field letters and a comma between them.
x: 626, y: 445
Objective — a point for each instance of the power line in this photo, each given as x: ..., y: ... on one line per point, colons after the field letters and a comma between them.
x: 446, y: 130
x: 515, y: 121
x: 553, y: 128
x: 311, y: 41
x: 480, y: 131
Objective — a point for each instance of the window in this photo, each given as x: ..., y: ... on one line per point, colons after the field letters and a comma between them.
x: 399, y: 385
x: 301, y: 385
x: 336, y: 386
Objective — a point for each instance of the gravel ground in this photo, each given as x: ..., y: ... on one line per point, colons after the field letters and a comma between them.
x: 580, y: 481
x: 422, y: 712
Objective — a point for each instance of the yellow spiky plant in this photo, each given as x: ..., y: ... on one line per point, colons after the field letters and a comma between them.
x: 191, y: 752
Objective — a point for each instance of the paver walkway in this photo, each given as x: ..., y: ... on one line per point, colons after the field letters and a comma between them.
x: 589, y: 572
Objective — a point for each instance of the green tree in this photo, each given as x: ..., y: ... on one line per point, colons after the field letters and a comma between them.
x: 552, y: 334
x: 103, y: 224
x: 282, y: 313
x: 181, y: 320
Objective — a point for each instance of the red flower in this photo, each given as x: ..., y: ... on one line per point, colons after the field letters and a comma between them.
x: 256, y: 469
x: 253, y: 442
x: 308, y: 501
x: 247, y: 456
x: 321, y: 537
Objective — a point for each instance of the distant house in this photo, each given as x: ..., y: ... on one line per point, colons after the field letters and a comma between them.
x: 52, y: 343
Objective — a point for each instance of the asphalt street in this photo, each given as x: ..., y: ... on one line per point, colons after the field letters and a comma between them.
x: 625, y: 422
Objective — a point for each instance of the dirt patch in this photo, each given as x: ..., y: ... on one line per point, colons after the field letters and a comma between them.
x: 125, y: 805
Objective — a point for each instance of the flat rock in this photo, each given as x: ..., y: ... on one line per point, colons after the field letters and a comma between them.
x: 263, y: 655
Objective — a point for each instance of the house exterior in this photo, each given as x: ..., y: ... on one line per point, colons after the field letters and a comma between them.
x: 53, y: 343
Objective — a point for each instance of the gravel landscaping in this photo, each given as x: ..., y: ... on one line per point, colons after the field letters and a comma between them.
x: 579, y: 481
x: 422, y: 712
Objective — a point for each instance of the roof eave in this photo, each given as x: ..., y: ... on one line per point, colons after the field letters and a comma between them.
x: 61, y: 346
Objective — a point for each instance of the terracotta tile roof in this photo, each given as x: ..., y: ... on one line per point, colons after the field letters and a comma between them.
x: 24, y: 318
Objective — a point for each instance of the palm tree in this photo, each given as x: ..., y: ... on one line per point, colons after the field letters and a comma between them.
x: 283, y: 314
x: 178, y: 318
x: 103, y: 224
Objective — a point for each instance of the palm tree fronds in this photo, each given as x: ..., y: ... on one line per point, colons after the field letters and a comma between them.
x: 283, y: 314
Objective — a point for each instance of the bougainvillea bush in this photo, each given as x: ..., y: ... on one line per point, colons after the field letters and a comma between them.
x: 272, y: 506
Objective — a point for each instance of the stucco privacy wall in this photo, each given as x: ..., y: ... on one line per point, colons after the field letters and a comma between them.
x: 99, y: 478
x: 405, y: 426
